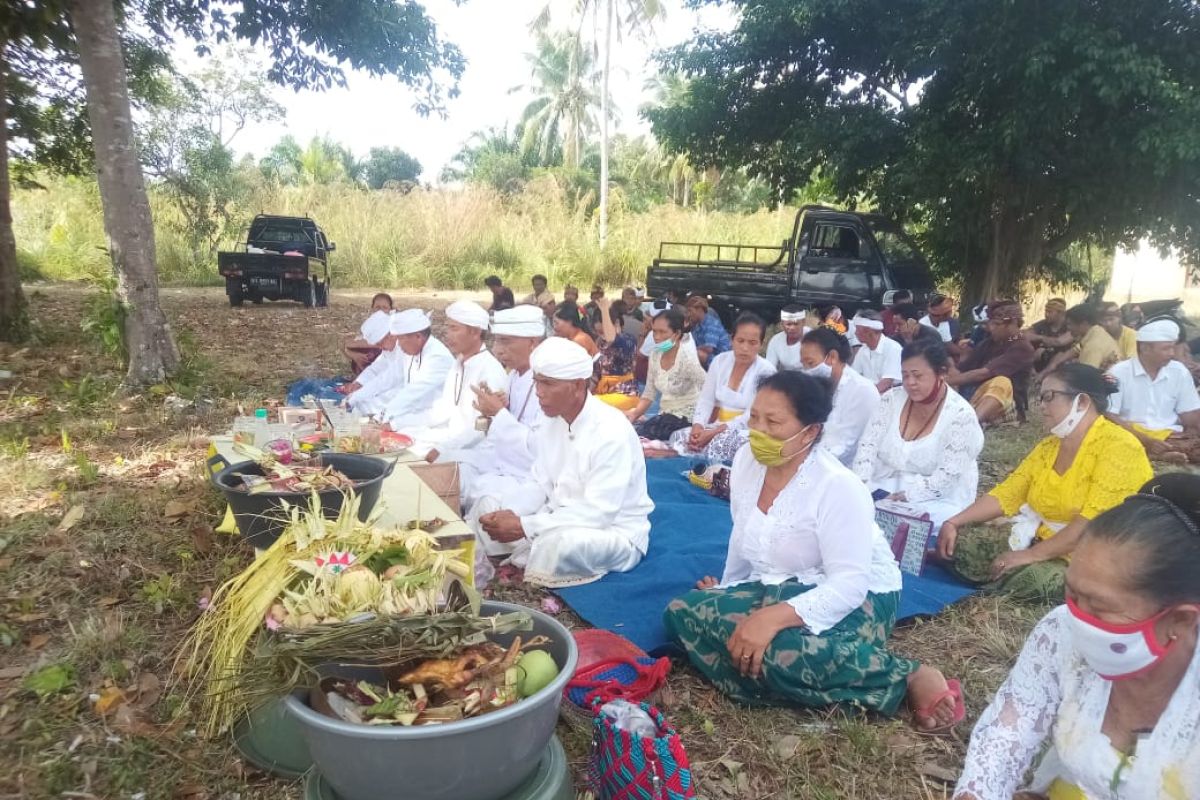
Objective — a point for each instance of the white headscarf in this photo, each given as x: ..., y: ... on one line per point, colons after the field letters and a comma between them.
x: 869, y: 324
x: 375, y: 327
x: 525, y: 321
x: 467, y: 313
x: 1160, y: 330
x: 410, y: 320
x: 561, y: 359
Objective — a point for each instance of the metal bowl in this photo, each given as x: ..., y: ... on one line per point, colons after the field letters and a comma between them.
x: 481, y: 758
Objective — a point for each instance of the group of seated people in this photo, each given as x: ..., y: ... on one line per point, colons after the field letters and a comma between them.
x: 1105, y: 696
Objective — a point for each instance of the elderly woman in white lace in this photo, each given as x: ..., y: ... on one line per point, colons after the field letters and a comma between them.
x: 809, y: 595
x: 922, y: 442
x: 723, y: 407
x: 1111, y: 680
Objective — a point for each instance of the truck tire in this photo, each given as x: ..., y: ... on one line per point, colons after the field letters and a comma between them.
x: 233, y: 288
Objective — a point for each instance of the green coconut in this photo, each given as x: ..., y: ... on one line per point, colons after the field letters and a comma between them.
x: 537, y: 670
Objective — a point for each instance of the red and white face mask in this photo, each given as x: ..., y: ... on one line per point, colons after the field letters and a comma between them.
x: 1116, y: 651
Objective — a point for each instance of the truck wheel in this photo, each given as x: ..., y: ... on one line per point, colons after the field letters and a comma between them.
x: 233, y: 288
x: 322, y: 295
x: 257, y: 299
x: 310, y: 296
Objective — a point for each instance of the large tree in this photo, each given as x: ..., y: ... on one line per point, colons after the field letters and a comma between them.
x: 307, y: 44
x: 1007, y: 130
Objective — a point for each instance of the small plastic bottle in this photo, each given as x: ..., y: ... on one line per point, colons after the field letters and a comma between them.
x: 262, y: 430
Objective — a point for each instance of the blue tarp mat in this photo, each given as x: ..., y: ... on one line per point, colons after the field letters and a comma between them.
x: 689, y: 534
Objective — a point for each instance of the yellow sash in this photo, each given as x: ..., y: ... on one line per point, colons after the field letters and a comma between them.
x: 727, y: 414
x: 1153, y: 434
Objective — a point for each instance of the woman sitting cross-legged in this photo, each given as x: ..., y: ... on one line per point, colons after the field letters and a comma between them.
x: 719, y: 425
x: 923, y: 440
x: 1087, y: 466
x: 809, y: 595
x: 1111, y: 680
x: 675, y: 375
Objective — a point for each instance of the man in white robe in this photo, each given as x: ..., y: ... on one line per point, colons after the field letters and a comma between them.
x: 451, y: 426
x: 380, y: 378
x: 589, y: 465
x: 419, y: 371
x: 878, y: 360
x: 500, y: 467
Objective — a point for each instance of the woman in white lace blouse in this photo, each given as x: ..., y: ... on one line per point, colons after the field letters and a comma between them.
x: 810, y: 590
x: 1111, y: 680
x: 921, y: 444
x: 675, y: 377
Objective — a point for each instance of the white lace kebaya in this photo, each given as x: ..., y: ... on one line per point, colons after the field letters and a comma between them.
x: 820, y: 531
x: 1053, y: 697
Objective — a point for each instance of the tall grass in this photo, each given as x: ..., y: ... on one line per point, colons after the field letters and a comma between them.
x: 442, y: 239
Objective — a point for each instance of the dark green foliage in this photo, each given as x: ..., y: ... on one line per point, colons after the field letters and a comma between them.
x: 1007, y: 131
x: 390, y: 164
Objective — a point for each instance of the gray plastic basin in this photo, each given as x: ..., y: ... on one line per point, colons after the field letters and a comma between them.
x: 482, y: 758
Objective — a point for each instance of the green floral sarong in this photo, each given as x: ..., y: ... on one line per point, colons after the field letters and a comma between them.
x: 976, y: 549
x: 848, y: 664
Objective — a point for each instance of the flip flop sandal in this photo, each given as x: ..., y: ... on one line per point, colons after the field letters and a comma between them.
x: 953, y: 689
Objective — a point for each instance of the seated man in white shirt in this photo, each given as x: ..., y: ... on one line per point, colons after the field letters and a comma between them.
x: 824, y: 353
x: 1156, y: 398
x: 379, y: 379
x: 500, y: 467
x: 589, y: 465
x: 451, y: 427
x: 419, y: 367
x: 878, y: 360
x: 783, y: 351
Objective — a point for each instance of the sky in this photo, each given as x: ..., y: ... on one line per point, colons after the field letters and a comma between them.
x: 494, y: 37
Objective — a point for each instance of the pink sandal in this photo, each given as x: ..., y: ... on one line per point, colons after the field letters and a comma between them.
x: 953, y: 689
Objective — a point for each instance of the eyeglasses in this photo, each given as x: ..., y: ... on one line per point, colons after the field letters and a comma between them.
x: 1048, y: 395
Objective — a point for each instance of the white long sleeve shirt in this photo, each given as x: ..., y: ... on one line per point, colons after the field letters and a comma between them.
x: 820, y: 531
x: 854, y: 401
x: 382, y: 377
x: 451, y: 424
x: 1053, y: 696
x: 939, y: 468
x: 880, y: 363
x: 593, y: 474
x: 1154, y: 404
x: 717, y: 394
x: 408, y: 407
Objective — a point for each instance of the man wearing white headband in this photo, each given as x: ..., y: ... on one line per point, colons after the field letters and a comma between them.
x: 414, y: 375
x: 500, y: 467
x: 878, y: 360
x: 377, y: 380
x: 1156, y: 397
x: 451, y: 425
x: 589, y: 465
x: 783, y: 351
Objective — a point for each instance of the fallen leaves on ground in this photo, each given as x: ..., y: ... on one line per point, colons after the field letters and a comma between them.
x: 72, y: 518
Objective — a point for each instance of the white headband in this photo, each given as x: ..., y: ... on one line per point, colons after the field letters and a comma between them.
x: 527, y: 322
x: 561, y: 359
x: 464, y: 312
x: 792, y: 316
x: 1160, y: 330
x: 869, y: 324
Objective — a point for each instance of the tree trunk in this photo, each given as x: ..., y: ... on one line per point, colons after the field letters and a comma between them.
x: 127, y: 221
x: 14, y: 319
x: 604, y: 101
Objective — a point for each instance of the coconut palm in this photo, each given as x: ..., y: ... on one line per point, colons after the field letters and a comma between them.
x: 563, y: 110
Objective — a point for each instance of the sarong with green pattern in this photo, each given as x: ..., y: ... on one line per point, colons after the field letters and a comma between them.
x: 975, y: 550
x: 848, y: 664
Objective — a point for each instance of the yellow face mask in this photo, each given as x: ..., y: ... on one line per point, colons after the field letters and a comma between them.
x: 768, y: 451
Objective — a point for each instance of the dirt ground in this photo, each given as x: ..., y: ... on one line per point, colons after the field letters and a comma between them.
x: 107, y: 544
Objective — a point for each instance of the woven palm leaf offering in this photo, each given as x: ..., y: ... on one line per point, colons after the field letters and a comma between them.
x: 338, y: 593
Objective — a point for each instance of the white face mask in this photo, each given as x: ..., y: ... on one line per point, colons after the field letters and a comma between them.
x: 1116, y: 651
x: 1071, y: 421
x: 822, y: 370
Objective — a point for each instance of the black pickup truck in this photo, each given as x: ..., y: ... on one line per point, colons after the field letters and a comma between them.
x: 283, y: 258
x: 833, y: 257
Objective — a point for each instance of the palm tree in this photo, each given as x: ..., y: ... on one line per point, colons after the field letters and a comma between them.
x: 562, y: 111
x: 620, y: 16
